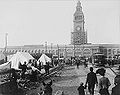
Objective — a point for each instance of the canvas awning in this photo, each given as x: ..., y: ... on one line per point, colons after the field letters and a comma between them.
x: 20, y: 57
x: 43, y: 59
x: 5, y: 67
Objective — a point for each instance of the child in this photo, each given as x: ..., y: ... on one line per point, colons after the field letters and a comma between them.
x: 47, y: 88
x: 81, y: 89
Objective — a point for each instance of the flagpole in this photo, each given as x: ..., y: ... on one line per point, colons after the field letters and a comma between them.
x: 58, y: 52
x: 6, y: 34
x: 46, y: 47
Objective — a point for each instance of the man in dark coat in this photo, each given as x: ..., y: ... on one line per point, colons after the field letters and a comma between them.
x: 47, y: 67
x: 39, y: 67
x: 116, y: 88
x: 91, y: 81
x: 24, y: 68
x: 77, y: 62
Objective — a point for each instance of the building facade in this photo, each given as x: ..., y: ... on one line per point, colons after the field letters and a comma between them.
x: 79, y: 35
x: 66, y: 51
x: 78, y: 47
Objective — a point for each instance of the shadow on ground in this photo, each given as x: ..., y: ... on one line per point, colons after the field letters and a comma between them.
x: 9, y: 88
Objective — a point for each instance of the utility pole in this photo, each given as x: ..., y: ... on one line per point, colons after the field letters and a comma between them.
x: 58, y: 53
x: 65, y: 52
x: 6, y: 34
x: 45, y: 47
x: 51, y: 48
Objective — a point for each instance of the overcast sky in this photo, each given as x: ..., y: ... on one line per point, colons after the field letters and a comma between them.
x: 34, y: 22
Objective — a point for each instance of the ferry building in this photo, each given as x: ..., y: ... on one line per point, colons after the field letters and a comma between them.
x: 77, y: 47
x: 79, y: 35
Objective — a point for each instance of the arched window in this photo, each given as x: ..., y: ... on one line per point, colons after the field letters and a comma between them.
x: 39, y: 51
x: 109, y: 50
x: 61, y: 54
x: 9, y: 51
x: 113, y: 51
x: 15, y: 51
x: 31, y: 51
x: 56, y: 52
x: 28, y: 51
x: 118, y: 51
x: 42, y: 51
x: 35, y: 51
x: 53, y: 52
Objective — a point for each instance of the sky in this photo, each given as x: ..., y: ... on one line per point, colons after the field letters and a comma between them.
x: 34, y: 22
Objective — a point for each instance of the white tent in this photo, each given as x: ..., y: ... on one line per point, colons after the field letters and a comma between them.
x: 43, y: 59
x: 9, y: 57
x: 5, y: 66
x: 20, y: 57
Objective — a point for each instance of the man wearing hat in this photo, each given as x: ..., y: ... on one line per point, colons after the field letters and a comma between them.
x: 116, y: 88
x: 91, y: 81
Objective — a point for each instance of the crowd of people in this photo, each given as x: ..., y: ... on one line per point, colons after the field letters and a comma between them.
x: 32, y: 69
x: 77, y: 62
x: 92, y: 81
x: 102, y: 84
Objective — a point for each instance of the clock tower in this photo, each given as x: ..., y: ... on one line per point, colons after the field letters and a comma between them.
x: 78, y: 36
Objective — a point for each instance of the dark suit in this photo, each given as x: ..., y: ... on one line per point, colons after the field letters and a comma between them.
x: 91, y: 80
x: 116, y: 90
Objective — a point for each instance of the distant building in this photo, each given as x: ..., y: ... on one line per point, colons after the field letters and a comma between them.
x: 78, y: 46
x: 79, y: 35
x: 67, y: 50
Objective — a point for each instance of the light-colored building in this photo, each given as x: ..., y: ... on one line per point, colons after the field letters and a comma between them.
x: 67, y: 50
x: 78, y: 46
x: 79, y: 35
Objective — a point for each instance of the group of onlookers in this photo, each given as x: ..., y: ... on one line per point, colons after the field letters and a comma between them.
x: 77, y: 61
x: 103, y: 84
x: 111, y: 62
x: 91, y: 81
x: 28, y: 71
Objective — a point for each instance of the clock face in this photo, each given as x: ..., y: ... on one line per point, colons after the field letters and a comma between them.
x: 78, y: 28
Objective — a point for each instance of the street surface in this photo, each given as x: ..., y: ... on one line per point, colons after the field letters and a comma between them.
x: 73, y: 78
x: 70, y: 78
x: 68, y: 81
